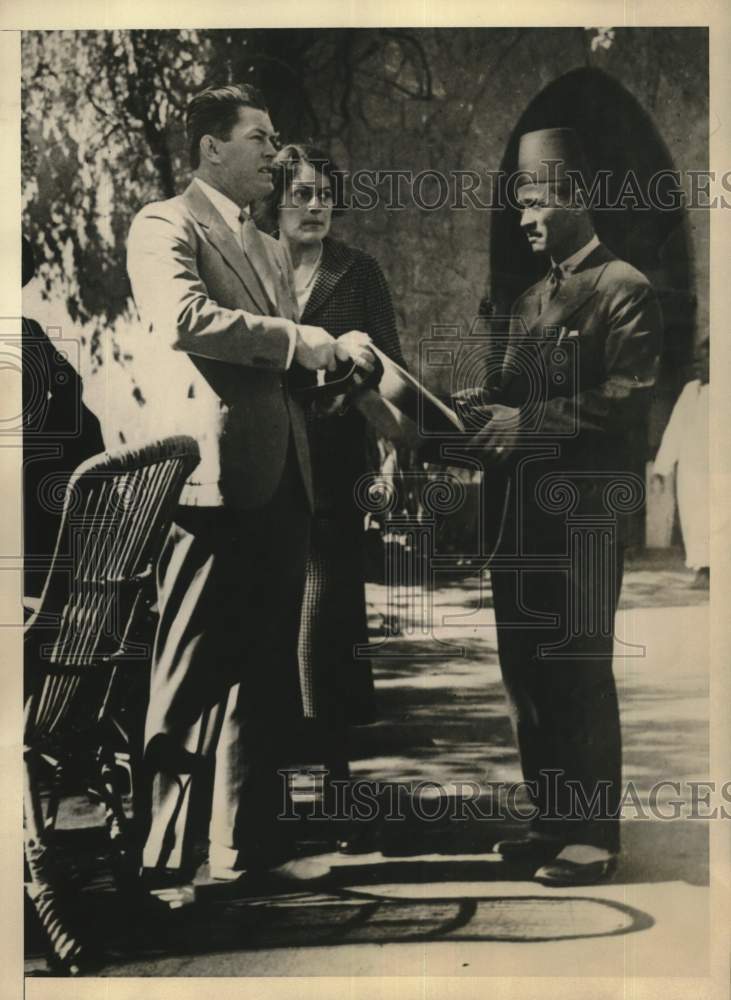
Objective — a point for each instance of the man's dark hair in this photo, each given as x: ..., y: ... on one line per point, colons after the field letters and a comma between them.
x: 215, y: 111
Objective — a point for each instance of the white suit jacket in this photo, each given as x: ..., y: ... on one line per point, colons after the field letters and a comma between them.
x: 225, y: 380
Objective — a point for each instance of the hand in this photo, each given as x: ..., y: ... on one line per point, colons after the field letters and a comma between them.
x: 473, y: 396
x: 354, y: 346
x: 473, y: 407
x: 499, y: 436
x: 471, y: 402
x: 315, y: 348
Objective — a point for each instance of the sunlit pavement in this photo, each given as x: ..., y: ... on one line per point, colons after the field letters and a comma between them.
x: 433, y: 900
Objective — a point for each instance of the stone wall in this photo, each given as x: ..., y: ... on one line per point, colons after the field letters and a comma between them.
x: 483, y: 80
x: 460, y: 117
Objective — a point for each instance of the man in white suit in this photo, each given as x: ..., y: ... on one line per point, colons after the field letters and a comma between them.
x: 224, y: 683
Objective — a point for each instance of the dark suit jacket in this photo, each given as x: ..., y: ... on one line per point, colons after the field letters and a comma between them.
x: 581, y: 368
x: 226, y: 382
x: 349, y: 293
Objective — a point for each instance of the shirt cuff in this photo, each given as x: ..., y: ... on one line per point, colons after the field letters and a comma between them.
x: 292, y: 345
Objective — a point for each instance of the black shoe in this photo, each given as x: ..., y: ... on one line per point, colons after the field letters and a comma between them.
x: 151, y: 879
x: 356, y: 841
x: 350, y: 845
x: 529, y: 850
x: 563, y: 872
x: 297, y: 873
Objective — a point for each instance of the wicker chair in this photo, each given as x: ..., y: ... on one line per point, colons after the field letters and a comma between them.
x: 117, y: 510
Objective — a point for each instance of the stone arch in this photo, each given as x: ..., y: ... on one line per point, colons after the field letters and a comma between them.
x: 618, y: 135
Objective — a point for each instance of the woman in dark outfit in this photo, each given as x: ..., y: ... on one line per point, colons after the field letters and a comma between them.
x: 342, y: 289
x: 59, y: 433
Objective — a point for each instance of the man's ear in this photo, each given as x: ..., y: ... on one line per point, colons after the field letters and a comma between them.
x: 579, y: 198
x: 575, y: 203
x: 208, y: 147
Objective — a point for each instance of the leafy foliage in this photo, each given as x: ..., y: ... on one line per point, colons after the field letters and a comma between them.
x: 102, y: 129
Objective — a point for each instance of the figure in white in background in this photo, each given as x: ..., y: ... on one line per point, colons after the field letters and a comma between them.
x: 685, y: 445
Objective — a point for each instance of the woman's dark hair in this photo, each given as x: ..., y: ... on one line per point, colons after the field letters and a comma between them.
x: 215, y: 111
x: 285, y: 167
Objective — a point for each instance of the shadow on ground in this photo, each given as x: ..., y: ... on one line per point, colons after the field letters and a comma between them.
x: 425, y: 884
x: 441, y: 720
x: 132, y: 938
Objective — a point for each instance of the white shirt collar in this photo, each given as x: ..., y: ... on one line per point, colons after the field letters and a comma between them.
x: 228, y: 209
x: 569, y: 265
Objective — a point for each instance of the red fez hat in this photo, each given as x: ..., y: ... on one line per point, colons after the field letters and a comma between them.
x: 546, y: 157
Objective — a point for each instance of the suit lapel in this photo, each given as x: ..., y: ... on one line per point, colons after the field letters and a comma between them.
x: 336, y: 260
x: 573, y: 292
x: 530, y: 308
x: 223, y: 239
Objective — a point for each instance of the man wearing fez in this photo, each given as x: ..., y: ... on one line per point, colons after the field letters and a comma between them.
x: 560, y: 418
x: 224, y: 684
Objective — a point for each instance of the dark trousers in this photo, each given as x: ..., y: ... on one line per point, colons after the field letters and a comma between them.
x: 224, y: 692
x: 555, y: 638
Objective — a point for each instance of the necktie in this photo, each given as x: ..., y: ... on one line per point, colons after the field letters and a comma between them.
x: 553, y: 280
x: 253, y: 247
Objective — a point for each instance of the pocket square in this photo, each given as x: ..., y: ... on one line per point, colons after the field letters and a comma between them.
x: 573, y: 333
